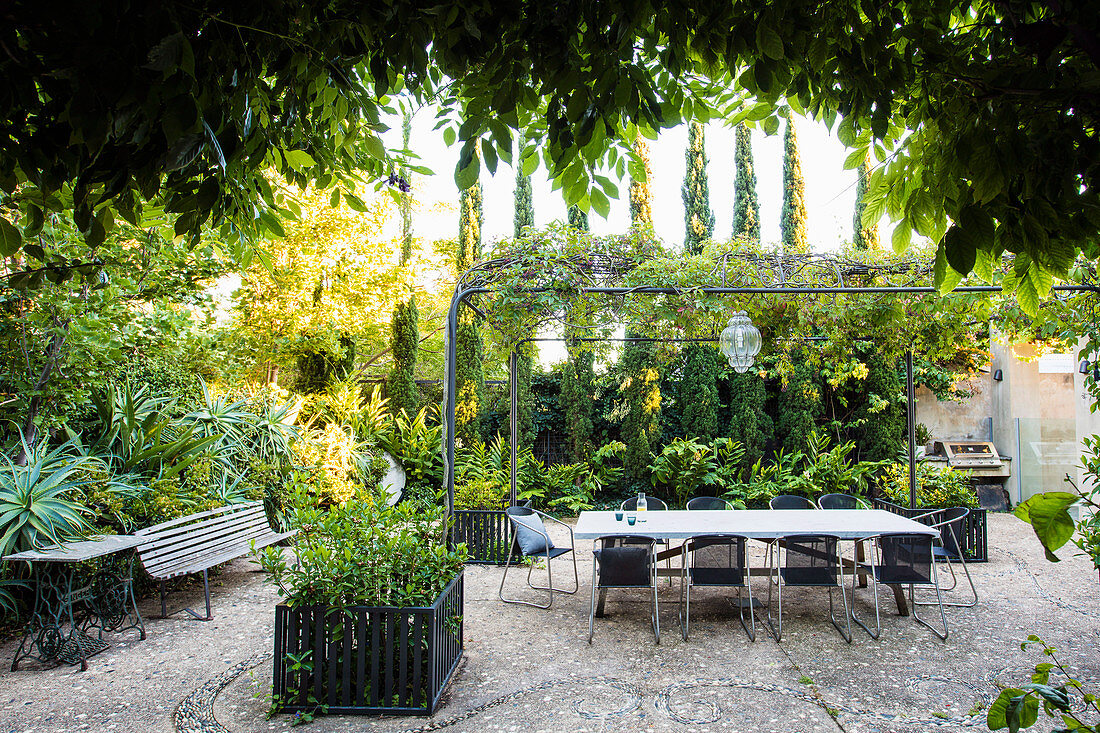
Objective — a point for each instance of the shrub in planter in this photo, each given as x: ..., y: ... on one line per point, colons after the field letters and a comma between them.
x: 372, y: 615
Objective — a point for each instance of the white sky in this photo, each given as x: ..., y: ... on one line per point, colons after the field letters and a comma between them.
x: 830, y: 190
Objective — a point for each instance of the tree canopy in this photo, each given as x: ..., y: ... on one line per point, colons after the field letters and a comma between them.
x: 981, y: 115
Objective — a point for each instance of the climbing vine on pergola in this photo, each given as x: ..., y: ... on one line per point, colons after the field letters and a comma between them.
x: 596, y: 285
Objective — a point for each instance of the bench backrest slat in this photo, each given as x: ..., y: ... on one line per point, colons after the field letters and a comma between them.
x: 191, y: 543
x: 192, y: 518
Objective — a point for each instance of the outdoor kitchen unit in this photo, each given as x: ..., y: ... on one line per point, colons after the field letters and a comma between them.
x: 979, y: 456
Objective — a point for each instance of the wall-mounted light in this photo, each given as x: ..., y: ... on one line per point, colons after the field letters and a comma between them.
x: 998, y: 375
x: 1083, y: 367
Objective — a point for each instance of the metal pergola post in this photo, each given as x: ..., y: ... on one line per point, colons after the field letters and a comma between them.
x: 911, y: 412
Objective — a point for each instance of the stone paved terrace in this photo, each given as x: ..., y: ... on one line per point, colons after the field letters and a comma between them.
x: 531, y: 670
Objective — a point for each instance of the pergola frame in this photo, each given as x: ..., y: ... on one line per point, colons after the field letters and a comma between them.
x: 785, y: 271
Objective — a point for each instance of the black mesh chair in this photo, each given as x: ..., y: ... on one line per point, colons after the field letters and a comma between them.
x: 901, y: 559
x: 708, y: 502
x: 808, y: 560
x: 531, y: 540
x: 652, y: 503
x: 624, y: 561
x: 715, y: 560
x: 790, y: 501
x: 948, y: 549
x: 841, y: 501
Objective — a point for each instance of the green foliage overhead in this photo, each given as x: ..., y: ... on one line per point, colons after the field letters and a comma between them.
x: 698, y: 217
x: 991, y: 148
x: 746, y: 208
x: 792, y: 219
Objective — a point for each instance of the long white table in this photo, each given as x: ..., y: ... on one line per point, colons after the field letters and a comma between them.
x: 758, y: 524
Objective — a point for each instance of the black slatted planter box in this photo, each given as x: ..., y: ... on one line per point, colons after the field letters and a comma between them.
x: 364, y: 660
x: 485, y: 533
x: 973, y: 541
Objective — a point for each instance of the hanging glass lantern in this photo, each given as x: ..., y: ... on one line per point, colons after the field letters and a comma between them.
x: 740, y: 342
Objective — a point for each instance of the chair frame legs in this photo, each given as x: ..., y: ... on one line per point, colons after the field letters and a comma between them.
x: 912, y: 604
x: 954, y: 582
x: 549, y: 587
x: 685, y: 601
x: 655, y: 618
x: 776, y: 630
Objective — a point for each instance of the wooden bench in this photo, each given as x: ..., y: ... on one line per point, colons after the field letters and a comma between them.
x: 198, y: 542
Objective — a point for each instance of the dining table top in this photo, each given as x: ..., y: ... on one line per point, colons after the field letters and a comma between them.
x: 763, y: 524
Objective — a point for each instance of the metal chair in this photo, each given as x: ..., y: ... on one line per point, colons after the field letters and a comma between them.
x: 790, y: 501
x: 653, y: 504
x: 841, y: 501
x: 715, y: 560
x: 708, y: 502
x: 901, y: 559
x: 809, y: 560
x: 530, y: 539
x: 624, y: 561
x: 948, y: 548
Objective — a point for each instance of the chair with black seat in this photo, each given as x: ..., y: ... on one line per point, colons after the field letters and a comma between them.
x: 901, y: 559
x: 705, y: 503
x: 808, y: 560
x: 624, y: 561
x: 841, y: 501
x: 531, y: 540
x: 948, y: 548
x: 790, y: 501
x: 716, y: 560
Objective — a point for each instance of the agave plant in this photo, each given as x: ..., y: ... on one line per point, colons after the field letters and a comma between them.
x: 273, y: 430
x: 34, y: 508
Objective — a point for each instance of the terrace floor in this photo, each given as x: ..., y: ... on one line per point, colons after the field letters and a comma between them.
x: 527, y: 669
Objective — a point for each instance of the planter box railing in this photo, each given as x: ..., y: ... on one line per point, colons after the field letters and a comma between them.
x: 367, y: 659
x: 973, y: 541
x: 485, y: 533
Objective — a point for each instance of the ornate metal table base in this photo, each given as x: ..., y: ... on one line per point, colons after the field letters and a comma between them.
x: 64, y: 616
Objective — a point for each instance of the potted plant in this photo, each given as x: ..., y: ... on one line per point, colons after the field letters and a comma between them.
x: 937, y: 488
x: 371, y: 618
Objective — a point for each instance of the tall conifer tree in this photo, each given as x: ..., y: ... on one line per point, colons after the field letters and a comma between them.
x: 641, y: 196
x: 470, y: 398
x: 699, y: 391
x: 524, y: 199
x: 792, y: 221
x: 404, y: 342
x: 578, y: 383
x: 406, y: 195
x: 640, y: 389
x: 578, y: 219
x: 746, y: 208
x: 698, y: 217
x: 864, y: 237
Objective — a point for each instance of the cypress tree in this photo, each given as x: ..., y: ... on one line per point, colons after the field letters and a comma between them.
x: 864, y: 237
x: 641, y: 392
x: 404, y: 340
x: 641, y: 196
x: 578, y: 219
x: 699, y: 391
x: 470, y: 398
x: 578, y: 383
x: 470, y: 395
x: 799, y: 405
x: 746, y: 208
x: 750, y: 424
x: 406, y: 196
x: 792, y: 221
x: 524, y: 199
x: 525, y: 403
x: 698, y: 218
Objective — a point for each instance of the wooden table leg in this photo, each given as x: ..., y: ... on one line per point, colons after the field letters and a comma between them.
x: 599, y: 602
x: 899, y: 598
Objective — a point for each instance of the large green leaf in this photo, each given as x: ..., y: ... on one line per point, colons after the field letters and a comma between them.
x: 1048, y: 515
